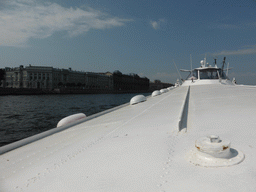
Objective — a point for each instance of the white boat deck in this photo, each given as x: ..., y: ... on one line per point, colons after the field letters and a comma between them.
x: 138, y: 147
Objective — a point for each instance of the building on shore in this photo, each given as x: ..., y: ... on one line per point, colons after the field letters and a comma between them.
x: 29, y: 77
x: 98, y: 81
x: 49, y: 78
x: 157, y: 85
x: 129, y: 82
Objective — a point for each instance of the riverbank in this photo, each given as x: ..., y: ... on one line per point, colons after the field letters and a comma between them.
x: 23, y: 91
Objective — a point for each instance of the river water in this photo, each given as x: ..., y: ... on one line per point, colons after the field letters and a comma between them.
x: 27, y: 115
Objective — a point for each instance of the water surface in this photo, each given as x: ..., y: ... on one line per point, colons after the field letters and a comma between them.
x: 27, y: 115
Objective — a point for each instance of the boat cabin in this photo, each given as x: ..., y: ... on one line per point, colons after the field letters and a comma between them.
x: 205, y: 74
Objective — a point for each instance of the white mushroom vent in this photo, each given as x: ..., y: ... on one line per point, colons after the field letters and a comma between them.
x: 211, y: 151
x: 155, y: 93
x: 70, y: 119
x: 164, y: 90
x: 137, y: 99
x: 170, y: 88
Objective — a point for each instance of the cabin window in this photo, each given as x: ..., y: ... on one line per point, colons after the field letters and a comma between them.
x: 209, y: 74
x: 222, y: 74
x: 193, y: 75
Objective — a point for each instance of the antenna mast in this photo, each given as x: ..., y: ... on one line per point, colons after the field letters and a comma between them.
x: 205, y: 60
x: 227, y: 68
x: 177, y: 70
x: 222, y: 68
x: 215, y: 62
x: 191, y: 62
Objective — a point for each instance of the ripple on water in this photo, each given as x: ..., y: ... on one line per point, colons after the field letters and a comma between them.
x: 24, y: 116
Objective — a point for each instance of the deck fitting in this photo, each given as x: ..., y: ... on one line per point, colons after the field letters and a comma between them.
x: 211, y: 151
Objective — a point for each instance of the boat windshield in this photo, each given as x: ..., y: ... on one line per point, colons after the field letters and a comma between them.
x: 193, y: 75
x: 212, y: 74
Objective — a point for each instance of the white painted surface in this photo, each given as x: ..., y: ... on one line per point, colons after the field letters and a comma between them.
x: 164, y: 90
x: 138, y: 148
x: 137, y: 99
x: 170, y: 88
x: 211, y: 151
x: 71, y: 119
x: 156, y: 93
x: 206, y: 82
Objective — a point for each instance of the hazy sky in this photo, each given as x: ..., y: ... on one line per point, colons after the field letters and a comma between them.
x: 132, y: 36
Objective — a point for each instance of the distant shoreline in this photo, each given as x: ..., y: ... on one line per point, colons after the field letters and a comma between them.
x: 25, y: 91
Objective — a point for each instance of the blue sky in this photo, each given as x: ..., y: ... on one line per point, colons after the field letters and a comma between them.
x: 132, y: 36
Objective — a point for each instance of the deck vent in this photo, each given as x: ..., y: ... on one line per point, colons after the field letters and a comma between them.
x: 70, y: 119
x: 164, y: 90
x: 156, y: 93
x: 137, y: 99
x: 211, y: 151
